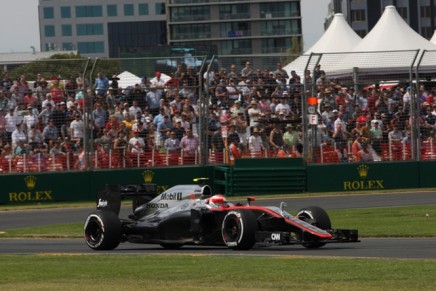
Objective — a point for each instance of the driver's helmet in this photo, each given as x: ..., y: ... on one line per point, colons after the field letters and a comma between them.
x: 216, y: 201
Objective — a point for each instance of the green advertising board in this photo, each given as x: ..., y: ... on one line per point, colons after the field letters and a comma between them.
x: 363, y: 176
x: 82, y: 186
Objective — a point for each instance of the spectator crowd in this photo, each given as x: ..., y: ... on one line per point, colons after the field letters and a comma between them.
x: 251, y: 112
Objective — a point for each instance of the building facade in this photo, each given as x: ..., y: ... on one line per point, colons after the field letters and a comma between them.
x: 235, y: 27
x: 110, y: 27
x: 101, y: 28
x: 362, y: 15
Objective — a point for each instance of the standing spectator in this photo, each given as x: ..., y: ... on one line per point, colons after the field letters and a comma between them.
x: 77, y: 129
x: 153, y: 100
x: 290, y: 137
x: 48, y: 100
x: 276, y: 138
x: 101, y: 84
x: 255, y: 144
x: 136, y: 143
x: 45, y: 114
x: 3, y: 136
x: 4, y: 103
x: 31, y: 118
x: 99, y: 117
x: 365, y: 155
x: 376, y: 137
x: 189, y: 145
x: 11, y: 123
x: 57, y: 90
x: 234, y: 152
x: 50, y: 132
x: 34, y: 137
x: 18, y: 136
x: 120, y: 147
x: 6, y: 82
x: 248, y: 70
x: 172, y: 143
x: 58, y: 116
x: 163, y: 130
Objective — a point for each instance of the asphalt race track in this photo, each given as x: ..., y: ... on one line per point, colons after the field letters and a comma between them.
x: 422, y: 248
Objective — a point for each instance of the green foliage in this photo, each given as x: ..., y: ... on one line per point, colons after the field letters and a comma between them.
x: 65, y: 66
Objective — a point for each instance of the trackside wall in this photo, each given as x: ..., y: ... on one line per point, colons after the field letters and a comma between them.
x: 256, y: 177
x: 82, y: 186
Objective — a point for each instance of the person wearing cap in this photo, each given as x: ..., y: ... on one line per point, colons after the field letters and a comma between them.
x: 50, y: 132
x: 152, y: 98
x: 376, y: 133
x: 290, y: 137
x: 253, y: 114
x: 157, y: 81
x: 283, y: 107
x: 57, y: 90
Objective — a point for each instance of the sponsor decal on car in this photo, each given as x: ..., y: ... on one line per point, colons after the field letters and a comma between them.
x: 157, y: 205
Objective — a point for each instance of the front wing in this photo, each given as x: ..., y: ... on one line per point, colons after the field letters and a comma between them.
x: 270, y: 238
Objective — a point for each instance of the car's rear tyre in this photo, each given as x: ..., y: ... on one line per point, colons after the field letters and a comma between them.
x: 239, y: 229
x: 102, y: 230
x: 318, y: 217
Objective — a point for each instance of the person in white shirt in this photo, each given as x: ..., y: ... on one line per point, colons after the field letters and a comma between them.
x: 31, y: 119
x: 18, y: 136
x: 255, y: 144
x: 77, y: 129
x: 136, y: 143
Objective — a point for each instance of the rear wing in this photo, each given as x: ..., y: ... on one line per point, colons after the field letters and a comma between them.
x: 109, y: 198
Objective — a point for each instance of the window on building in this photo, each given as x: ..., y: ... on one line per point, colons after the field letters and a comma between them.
x: 427, y: 32
x: 67, y: 46
x: 403, y: 12
x: 160, y: 9
x: 279, y: 9
x: 49, y: 30
x: 235, y: 29
x: 240, y: 11
x: 143, y: 9
x: 92, y: 47
x: 112, y: 10
x: 90, y: 29
x: 276, y: 45
x: 195, y: 13
x: 236, y: 47
x: 280, y: 27
x: 65, y: 12
x: 48, y: 12
x: 129, y: 10
x: 67, y: 30
x: 89, y: 11
x: 425, y: 11
x: 190, y: 31
x: 358, y: 15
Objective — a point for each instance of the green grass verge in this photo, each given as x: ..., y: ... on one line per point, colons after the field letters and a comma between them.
x: 189, y: 272
x: 405, y: 221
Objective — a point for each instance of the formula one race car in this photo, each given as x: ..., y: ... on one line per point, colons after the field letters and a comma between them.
x: 191, y: 215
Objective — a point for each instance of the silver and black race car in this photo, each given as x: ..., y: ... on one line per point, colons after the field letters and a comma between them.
x: 191, y: 215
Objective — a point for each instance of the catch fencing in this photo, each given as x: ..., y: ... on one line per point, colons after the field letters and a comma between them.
x: 110, y: 113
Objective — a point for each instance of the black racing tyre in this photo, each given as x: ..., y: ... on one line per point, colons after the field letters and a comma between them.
x: 318, y: 217
x: 239, y: 230
x: 102, y: 230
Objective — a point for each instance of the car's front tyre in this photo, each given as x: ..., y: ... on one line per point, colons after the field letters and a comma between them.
x: 239, y: 229
x: 318, y: 217
x: 102, y: 230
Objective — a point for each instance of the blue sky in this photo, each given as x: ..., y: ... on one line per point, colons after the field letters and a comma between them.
x: 19, y: 22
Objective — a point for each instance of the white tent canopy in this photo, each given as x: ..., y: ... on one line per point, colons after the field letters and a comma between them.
x: 339, y: 37
x: 128, y: 79
x: 392, y: 33
x: 392, y: 43
x: 433, y: 38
